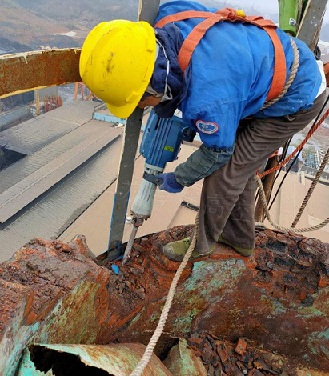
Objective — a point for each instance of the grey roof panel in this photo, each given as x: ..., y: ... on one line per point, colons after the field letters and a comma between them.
x: 34, y: 134
x: 29, y: 164
x: 53, y: 212
x: 32, y: 186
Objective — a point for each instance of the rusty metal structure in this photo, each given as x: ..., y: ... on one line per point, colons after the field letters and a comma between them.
x: 58, y: 294
x: 64, y: 311
x: 37, y: 69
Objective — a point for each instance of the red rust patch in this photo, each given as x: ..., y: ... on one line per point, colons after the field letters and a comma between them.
x: 221, y: 358
x: 241, y: 346
x: 258, y: 298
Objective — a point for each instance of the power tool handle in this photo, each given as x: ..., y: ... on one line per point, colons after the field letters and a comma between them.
x: 153, y: 179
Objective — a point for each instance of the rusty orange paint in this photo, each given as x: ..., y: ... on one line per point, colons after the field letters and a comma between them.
x: 275, y: 301
x: 323, y: 281
x: 26, y: 71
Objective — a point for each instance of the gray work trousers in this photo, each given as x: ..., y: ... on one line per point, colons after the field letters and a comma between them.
x: 227, y: 206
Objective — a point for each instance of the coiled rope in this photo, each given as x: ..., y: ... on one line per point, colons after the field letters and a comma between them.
x: 291, y: 77
x: 275, y: 225
x: 138, y: 371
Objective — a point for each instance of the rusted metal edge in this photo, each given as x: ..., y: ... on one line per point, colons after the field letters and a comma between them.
x: 36, y: 69
x: 115, y: 359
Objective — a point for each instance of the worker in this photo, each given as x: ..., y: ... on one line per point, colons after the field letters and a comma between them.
x: 223, y: 89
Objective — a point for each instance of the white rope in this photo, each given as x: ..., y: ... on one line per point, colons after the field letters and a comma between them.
x: 291, y: 77
x: 267, y: 213
x: 165, y: 311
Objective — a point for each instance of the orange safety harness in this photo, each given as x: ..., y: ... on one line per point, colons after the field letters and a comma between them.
x: 232, y: 15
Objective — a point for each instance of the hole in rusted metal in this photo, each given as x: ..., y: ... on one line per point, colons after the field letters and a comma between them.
x: 164, y: 346
x: 61, y: 363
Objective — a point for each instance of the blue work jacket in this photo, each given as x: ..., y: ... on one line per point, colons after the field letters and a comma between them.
x: 230, y: 74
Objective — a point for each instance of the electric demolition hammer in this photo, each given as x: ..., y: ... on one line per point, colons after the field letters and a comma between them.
x: 160, y: 144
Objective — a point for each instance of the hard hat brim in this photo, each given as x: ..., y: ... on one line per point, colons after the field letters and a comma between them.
x: 123, y: 111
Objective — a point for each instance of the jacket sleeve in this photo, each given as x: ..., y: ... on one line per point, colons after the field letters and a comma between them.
x: 217, y: 138
x: 203, y: 162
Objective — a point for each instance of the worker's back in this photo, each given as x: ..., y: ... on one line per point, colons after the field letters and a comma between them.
x: 231, y: 71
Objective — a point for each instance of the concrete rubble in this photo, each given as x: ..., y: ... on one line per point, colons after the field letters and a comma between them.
x: 265, y: 315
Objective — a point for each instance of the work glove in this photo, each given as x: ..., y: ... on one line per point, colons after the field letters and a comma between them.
x: 169, y: 183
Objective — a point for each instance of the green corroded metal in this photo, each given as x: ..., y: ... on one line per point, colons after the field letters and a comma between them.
x: 230, y: 296
x: 183, y: 362
x: 185, y: 322
x: 207, y: 281
x: 72, y: 319
x: 276, y: 306
x: 229, y: 271
x: 309, y: 312
x: 27, y: 367
x: 67, y: 323
x: 117, y: 359
x: 12, y: 348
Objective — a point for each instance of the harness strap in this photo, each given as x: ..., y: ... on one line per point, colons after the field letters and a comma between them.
x: 232, y: 15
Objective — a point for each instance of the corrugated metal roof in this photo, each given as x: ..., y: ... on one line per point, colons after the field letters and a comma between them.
x: 68, y: 166
x: 58, y: 166
x: 28, y: 165
x: 53, y: 212
x: 34, y: 134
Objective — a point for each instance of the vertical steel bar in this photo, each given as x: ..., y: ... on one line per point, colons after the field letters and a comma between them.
x: 311, y: 22
x: 147, y: 11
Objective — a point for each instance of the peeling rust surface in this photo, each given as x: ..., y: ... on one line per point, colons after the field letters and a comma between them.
x: 144, y: 278
x: 54, y: 292
x: 224, y: 358
x: 277, y: 298
x: 26, y: 71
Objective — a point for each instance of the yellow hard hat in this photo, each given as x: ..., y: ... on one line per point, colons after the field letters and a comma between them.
x: 117, y: 62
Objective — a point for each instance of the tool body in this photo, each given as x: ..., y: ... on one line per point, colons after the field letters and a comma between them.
x: 161, y: 142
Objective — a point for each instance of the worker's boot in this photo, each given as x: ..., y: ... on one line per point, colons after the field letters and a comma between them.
x: 176, y: 251
x: 242, y: 251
